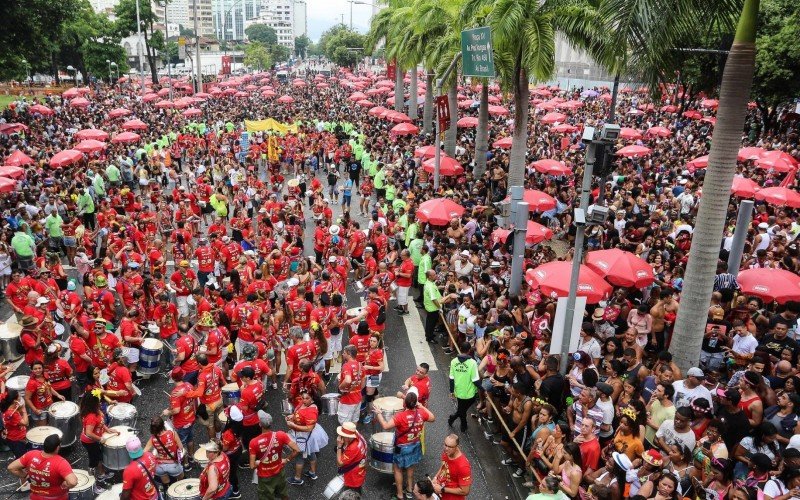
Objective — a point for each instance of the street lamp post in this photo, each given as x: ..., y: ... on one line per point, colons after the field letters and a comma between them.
x: 199, y: 82
x: 357, y: 2
x: 139, y: 44
x: 27, y: 70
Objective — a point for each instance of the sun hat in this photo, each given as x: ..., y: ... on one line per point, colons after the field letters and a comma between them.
x: 347, y: 430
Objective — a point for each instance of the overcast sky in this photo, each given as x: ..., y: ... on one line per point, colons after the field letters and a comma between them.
x: 322, y: 14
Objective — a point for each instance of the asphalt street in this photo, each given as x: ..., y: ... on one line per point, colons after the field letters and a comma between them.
x: 405, y: 348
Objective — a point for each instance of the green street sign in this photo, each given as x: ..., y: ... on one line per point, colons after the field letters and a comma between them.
x: 476, y: 52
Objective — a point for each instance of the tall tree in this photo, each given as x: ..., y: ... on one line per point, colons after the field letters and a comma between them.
x: 301, y: 44
x: 262, y: 33
x: 737, y: 80
x: 257, y: 56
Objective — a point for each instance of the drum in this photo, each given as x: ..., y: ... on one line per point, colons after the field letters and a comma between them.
x: 381, y: 451
x: 201, y: 458
x: 10, y: 344
x: 185, y: 489
x: 334, y: 487
x: 64, y: 353
x: 330, y: 403
x: 115, y: 456
x: 60, y: 330
x: 82, y: 490
x: 65, y: 416
x: 359, y: 286
x: 388, y: 406
x: 114, y: 493
x: 231, y: 394
x: 286, y: 407
x: 18, y: 383
x: 150, y: 357
x: 37, y: 435
x: 122, y: 414
x: 354, y: 311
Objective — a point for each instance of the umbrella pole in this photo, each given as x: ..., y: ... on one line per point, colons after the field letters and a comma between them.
x: 739, y: 236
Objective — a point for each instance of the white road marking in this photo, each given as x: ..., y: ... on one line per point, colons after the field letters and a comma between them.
x: 416, y: 337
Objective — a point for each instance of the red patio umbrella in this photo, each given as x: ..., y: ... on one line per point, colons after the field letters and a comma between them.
x: 630, y: 134
x: 504, y: 143
x: 12, y: 128
x: 634, y: 151
x: 425, y: 152
x: 70, y: 93
x: 357, y: 96
x: 538, y: 201
x: 118, y: 112
x: 165, y: 104
x: 66, y: 157
x: 693, y: 114
x: 779, y: 196
x: 553, y: 280
x: 536, y: 233
x: 79, y: 102
x: 744, y: 187
x: 553, y: 118
x: 12, y: 172
x: 551, y: 167
x: 778, y: 161
x: 750, y: 153
x: 564, y: 128
x: 398, y: 117
x: 700, y: 162
x: 268, y: 93
x: 377, y: 110
x: 447, y: 166
x: 467, y: 122
x: 779, y: 285
x: 404, y: 129
x: 91, y: 133
x: 709, y: 103
x: 134, y: 125
x: 7, y: 185
x: 90, y: 146
x: 285, y: 99
x: 621, y: 268
x: 498, y: 111
x: 125, y: 137
x: 659, y: 132
x: 192, y: 112
x: 439, y: 211
x: 18, y: 159
x: 365, y: 103
x: 150, y: 97
x: 669, y: 108
x: 41, y: 109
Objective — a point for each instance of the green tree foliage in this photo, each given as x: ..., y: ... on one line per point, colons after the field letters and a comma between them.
x: 777, y: 77
x: 257, y: 56
x: 279, y: 53
x: 301, y: 44
x: 337, y: 46
x: 262, y: 33
x: 326, y: 37
x: 126, y: 26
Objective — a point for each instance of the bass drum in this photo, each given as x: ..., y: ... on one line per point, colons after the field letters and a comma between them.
x: 186, y: 489
x: 381, y: 452
x: 82, y: 490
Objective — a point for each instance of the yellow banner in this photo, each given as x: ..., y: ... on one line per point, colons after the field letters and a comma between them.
x: 269, y: 125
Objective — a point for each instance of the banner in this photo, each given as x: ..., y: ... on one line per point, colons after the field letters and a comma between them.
x: 269, y: 125
x: 226, y: 64
x: 391, y: 68
x: 443, y: 111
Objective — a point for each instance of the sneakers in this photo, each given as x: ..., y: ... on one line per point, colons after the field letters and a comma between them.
x: 450, y: 420
x: 235, y: 494
x: 294, y: 481
x: 507, y: 461
x: 518, y: 473
x: 310, y: 475
x: 97, y: 489
x: 106, y: 476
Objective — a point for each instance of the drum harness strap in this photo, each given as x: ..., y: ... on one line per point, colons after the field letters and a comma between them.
x: 164, y: 447
x: 150, y: 477
x: 413, y: 423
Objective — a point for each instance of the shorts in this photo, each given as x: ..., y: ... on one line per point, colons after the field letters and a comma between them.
x: 171, y: 470
x: 348, y: 413
x: 186, y: 435
x: 37, y: 418
x: 409, y: 456
x: 273, y: 487
x: 212, y: 411
x: 374, y: 380
x: 402, y: 295
x: 328, y: 355
x: 70, y: 242
x: 335, y: 342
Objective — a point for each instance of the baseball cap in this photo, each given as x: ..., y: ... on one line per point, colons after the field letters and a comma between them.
x: 730, y: 394
x: 605, y: 388
x: 695, y: 372
x: 134, y: 447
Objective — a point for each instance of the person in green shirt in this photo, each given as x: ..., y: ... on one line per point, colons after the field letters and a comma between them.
x: 464, y: 382
x: 86, y: 208
x: 379, y: 181
x: 391, y: 193
x: 424, y: 264
x: 53, y: 223
x: 412, y: 229
x: 25, y: 247
x: 99, y: 185
x: 432, y: 301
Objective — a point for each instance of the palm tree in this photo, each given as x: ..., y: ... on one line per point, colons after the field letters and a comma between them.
x: 524, y: 47
x: 409, y: 52
x: 737, y: 81
x: 384, y: 27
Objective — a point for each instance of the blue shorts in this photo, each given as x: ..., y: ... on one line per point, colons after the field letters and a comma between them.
x: 185, y: 434
x: 409, y: 456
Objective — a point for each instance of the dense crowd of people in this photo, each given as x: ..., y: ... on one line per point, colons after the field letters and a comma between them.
x: 193, y: 234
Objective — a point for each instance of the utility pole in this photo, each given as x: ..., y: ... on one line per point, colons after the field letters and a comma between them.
x: 439, y: 83
x: 166, y: 38
x: 139, y: 43
x: 199, y: 82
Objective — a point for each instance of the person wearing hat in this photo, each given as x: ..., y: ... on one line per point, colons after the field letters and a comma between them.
x: 102, y: 343
x: 183, y: 412
x: 215, y: 477
x: 32, y: 340
x: 58, y: 371
x: 108, y: 304
x: 267, y: 460
x: 690, y: 388
x: 351, y: 456
x: 50, y: 475
x: 652, y: 463
x: 183, y: 281
x: 231, y: 441
x: 138, y: 478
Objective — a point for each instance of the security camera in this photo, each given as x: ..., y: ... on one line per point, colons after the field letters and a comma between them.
x: 609, y: 132
x: 588, y: 134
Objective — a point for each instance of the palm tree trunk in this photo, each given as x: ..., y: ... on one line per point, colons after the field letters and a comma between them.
x: 482, y: 135
x: 613, y: 105
x: 427, y: 111
x: 399, y: 100
x: 737, y: 81
x: 452, y: 132
x: 519, y: 142
x: 413, y: 108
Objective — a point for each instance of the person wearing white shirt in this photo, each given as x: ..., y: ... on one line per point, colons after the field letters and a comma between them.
x: 690, y: 388
x: 744, y: 344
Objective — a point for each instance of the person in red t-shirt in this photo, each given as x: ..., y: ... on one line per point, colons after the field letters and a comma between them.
x: 404, y: 281
x: 165, y: 444
x: 266, y: 458
x: 93, y: 429
x: 39, y: 394
x: 50, y: 475
x: 454, y: 478
x: 310, y: 436
x: 215, y: 478
x: 371, y: 311
x: 373, y: 369
x: 351, y: 380
x: 408, y: 426
x: 252, y: 395
x: 182, y: 409
x: 419, y: 383
x: 120, y: 381
x: 351, y: 456
x: 15, y: 422
x: 301, y: 350
x: 186, y: 357
x: 136, y: 482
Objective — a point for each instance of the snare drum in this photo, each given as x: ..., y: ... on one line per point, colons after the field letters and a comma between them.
x: 388, y: 406
x: 150, y: 357
x: 82, y: 490
x: 18, y: 383
x: 59, y: 328
x: 64, y: 416
x: 114, y: 493
x: 231, y: 394
x: 115, y: 455
x: 10, y: 344
x: 37, y: 435
x: 382, y: 452
x: 122, y: 414
x: 354, y: 311
x: 334, y: 487
x: 185, y: 489
x: 330, y: 403
x: 201, y: 458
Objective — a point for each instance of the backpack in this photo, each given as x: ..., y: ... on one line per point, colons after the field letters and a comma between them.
x: 381, y: 318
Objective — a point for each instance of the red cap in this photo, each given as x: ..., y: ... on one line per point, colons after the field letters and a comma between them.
x: 177, y: 373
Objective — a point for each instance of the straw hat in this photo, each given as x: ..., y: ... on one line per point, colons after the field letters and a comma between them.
x: 347, y: 430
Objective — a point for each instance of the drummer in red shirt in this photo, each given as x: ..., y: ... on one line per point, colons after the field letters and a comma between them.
x: 15, y: 422
x: 136, y: 482
x: 373, y: 369
x: 351, y: 456
x: 252, y: 394
x: 57, y: 371
x: 167, y: 446
x: 102, y: 343
x: 215, y: 478
x: 39, y: 395
x: 93, y: 428
x: 420, y: 383
x: 266, y: 458
x: 371, y: 311
x: 50, y: 475
x: 182, y: 409
x: 120, y: 382
x: 454, y: 478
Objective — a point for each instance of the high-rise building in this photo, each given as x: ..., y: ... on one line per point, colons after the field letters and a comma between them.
x: 104, y: 6
x: 230, y: 17
x: 205, y: 20
x: 287, y: 17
